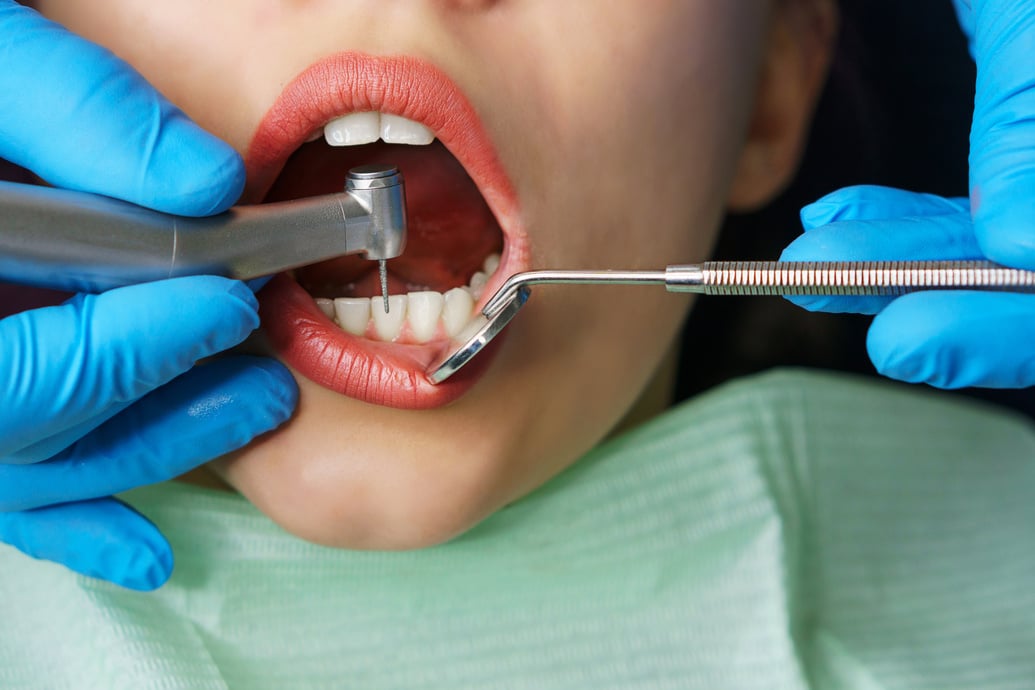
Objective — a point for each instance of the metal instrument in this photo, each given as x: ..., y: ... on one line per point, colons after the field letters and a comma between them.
x: 76, y: 241
x: 887, y: 278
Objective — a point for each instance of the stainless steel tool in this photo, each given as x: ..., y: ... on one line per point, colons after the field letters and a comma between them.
x: 69, y: 240
x: 887, y: 278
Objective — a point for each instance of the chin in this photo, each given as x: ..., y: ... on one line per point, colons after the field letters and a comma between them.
x: 342, y: 475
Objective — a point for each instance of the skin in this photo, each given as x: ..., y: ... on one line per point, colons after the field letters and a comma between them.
x: 627, y: 137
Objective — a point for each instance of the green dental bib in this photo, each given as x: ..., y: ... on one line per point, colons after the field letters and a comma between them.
x: 795, y: 530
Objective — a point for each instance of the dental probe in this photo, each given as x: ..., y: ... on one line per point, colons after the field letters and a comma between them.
x: 862, y: 278
x: 77, y: 241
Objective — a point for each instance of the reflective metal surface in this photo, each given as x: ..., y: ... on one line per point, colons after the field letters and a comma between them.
x: 83, y: 242
x: 745, y: 278
x: 851, y: 278
x: 478, y: 334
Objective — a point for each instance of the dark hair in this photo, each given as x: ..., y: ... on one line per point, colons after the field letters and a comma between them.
x: 896, y: 111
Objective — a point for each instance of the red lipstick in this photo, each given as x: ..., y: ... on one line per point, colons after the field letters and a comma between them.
x: 381, y: 373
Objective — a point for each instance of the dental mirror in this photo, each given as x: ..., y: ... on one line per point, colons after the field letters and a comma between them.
x: 479, y: 333
x: 855, y: 278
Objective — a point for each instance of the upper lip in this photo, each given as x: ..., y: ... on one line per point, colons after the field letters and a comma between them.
x: 352, y: 82
x: 412, y: 88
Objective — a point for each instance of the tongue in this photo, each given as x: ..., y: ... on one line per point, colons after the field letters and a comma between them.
x: 451, y: 230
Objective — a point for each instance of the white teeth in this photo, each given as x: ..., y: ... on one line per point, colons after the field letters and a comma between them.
x: 389, y: 326
x: 425, y: 309
x: 478, y: 281
x: 457, y: 310
x: 353, y: 314
x: 326, y: 306
x: 492, y: 262
x: 399, y: 130
x: 355, y: 129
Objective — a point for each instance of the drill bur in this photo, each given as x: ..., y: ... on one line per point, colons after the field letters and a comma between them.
x: 382, y: 267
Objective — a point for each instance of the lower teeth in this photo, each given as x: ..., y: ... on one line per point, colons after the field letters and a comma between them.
x: 418, y: 317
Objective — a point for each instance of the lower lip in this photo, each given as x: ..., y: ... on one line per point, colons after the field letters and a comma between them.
x: 379, y: 373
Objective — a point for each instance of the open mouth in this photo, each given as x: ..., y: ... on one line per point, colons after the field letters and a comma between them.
x: 327, y: 320
x: 453, y: 243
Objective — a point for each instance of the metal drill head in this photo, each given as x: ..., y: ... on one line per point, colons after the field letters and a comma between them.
x: 380, y: 191
x: 379, y: 188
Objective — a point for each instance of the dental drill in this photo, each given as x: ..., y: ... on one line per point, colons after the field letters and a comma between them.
x: 67, y: 240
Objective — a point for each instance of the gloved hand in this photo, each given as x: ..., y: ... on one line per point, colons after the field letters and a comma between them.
x: 101, y: 394
x: 952, y: 339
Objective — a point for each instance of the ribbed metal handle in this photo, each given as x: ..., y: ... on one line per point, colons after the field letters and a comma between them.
x: 844, y: 278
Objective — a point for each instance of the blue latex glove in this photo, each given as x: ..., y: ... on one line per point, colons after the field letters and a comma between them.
x: 952, y: 339
x: 101, y: 394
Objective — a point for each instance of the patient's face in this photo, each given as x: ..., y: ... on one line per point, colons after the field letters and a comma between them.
x: 568, y: 135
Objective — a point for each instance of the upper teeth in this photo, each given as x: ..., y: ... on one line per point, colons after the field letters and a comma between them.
x: 365, y: 128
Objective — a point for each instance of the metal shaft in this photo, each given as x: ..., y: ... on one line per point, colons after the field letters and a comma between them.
x: 791, y: 278
x: 743, y: 278
x: 77, y: 241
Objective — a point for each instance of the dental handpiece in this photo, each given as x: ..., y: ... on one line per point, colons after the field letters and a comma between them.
x: 77, y: 241
x: 880, y: 278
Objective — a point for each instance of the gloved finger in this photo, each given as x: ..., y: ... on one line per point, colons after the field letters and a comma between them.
x: 966, y: 18
x: 208, y: 412
x: 104, y: 538
x: 1002, y: 151
x: 871, y: 202
x: 957, y: 339
x: 52, y: 445
x: 947, y: 237
x: 61, y: 366
x: 129, y: 142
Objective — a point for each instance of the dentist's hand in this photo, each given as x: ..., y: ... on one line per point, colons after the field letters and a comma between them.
x: 101, y: 394
x: 952, y: 339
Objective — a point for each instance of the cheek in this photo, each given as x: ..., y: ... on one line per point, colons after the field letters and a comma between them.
x: 637, y: 118
x: 638, y: 137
